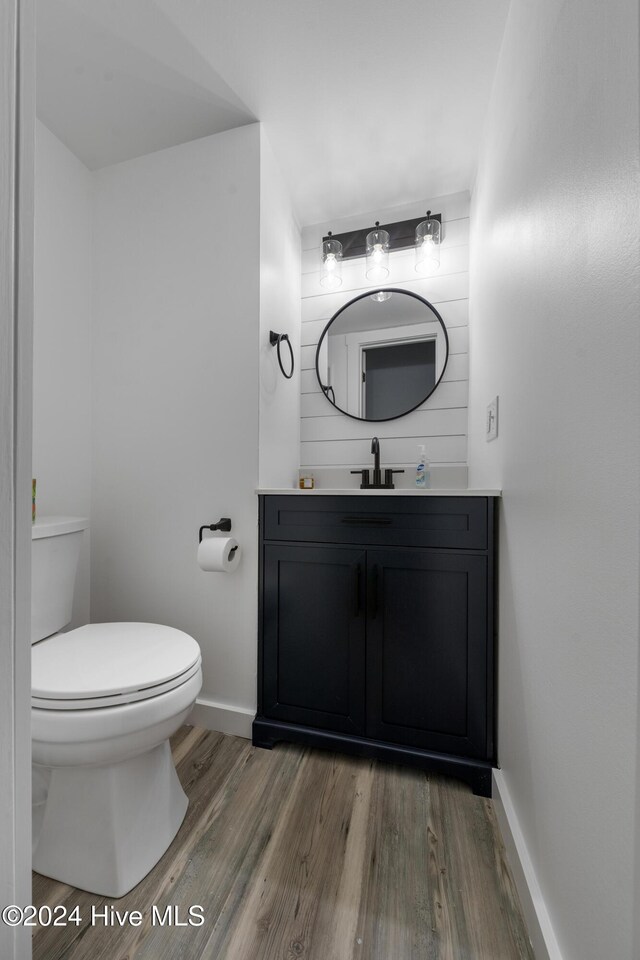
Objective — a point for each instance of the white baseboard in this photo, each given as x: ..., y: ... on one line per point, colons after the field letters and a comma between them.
x: 222, y: 717
x: 543, y: 938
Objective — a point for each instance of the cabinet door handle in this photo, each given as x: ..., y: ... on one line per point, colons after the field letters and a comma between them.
x: 357, y: 573
x: 374, y: 591
x: 376, y: 521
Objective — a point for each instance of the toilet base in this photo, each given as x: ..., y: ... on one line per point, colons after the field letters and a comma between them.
x: 104, y: 828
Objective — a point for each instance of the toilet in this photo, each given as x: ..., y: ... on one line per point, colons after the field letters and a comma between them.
x: 105, y: 699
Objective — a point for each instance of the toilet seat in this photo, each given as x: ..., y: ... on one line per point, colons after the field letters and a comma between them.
x: 110, y: 664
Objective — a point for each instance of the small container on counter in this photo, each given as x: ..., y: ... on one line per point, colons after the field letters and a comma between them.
x: 306, y: 482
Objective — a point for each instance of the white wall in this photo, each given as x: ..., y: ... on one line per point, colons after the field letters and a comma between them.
x: 328, y: 438
x: 176, y: 396
x: 62, y: 341
x: 554, y: 332
x: 280, y: 312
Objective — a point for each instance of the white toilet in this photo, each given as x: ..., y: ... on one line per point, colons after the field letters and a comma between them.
x: 106, y: 697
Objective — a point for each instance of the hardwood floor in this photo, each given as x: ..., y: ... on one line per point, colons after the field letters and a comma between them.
x: 294, y: 853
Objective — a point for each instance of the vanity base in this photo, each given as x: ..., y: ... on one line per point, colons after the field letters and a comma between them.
x: 477, y: 773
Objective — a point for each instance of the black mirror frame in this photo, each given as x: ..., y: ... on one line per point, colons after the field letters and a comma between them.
x: 361, y: 296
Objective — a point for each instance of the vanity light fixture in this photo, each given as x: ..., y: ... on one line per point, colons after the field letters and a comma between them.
x: 331, y: 269
x: 425, y: 235
x: 428, y: 245
x: 377, y: 246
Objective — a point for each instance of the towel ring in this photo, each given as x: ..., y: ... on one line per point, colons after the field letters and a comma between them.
x: 275, y: 339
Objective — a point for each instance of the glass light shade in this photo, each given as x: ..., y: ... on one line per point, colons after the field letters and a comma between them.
x: 381, y: 296
x: 377, y: 246
x: 428, y: 246
x: 331, y: 264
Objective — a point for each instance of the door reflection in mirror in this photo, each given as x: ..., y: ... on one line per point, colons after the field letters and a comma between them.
x: 380, y: 359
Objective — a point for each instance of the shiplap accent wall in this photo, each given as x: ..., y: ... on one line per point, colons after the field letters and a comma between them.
x: 330, y: 439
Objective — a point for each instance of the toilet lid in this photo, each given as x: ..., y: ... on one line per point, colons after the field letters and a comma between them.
x: 102, y: 664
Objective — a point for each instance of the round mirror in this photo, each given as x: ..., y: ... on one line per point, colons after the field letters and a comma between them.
x: 382, y: 355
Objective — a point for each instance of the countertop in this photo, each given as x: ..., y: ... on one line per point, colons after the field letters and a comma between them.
x: 355, y: 491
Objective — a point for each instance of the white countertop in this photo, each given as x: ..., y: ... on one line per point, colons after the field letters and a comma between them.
x: 355, y: 491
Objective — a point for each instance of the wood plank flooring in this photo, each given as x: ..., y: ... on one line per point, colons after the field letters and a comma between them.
x: 295, y: 853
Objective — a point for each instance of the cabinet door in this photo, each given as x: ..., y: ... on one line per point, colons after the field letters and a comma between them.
x: 427, y: 650
x: 314, y: 636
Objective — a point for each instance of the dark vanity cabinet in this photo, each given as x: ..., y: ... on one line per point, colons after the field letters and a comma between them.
x: 376, y: 628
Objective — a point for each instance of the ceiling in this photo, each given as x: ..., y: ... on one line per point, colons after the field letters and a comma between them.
x: 367, y: 104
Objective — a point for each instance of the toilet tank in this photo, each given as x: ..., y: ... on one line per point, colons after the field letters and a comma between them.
x: 55, y: 549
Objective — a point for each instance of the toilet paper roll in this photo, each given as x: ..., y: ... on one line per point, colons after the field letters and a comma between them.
x: 218, y: 554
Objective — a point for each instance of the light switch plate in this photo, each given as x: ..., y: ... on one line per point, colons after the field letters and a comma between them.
x: 492, y: 420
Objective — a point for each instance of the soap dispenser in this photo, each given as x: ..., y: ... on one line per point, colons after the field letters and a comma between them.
x: 423, y: 473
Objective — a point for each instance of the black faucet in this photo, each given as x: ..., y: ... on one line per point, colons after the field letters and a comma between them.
x: 375, y: 450
x: 377, y: 483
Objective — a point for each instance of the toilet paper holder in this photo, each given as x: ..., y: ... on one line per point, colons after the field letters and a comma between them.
x: 223, y: 524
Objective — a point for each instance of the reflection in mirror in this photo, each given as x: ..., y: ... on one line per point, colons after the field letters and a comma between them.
x: 379, y: 358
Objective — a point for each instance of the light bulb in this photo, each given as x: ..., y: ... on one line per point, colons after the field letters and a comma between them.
x: 331, y: 264
x: 377, y: 250
x: 377, y: 272
x: 381, y: 296
x: 428, y: 245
